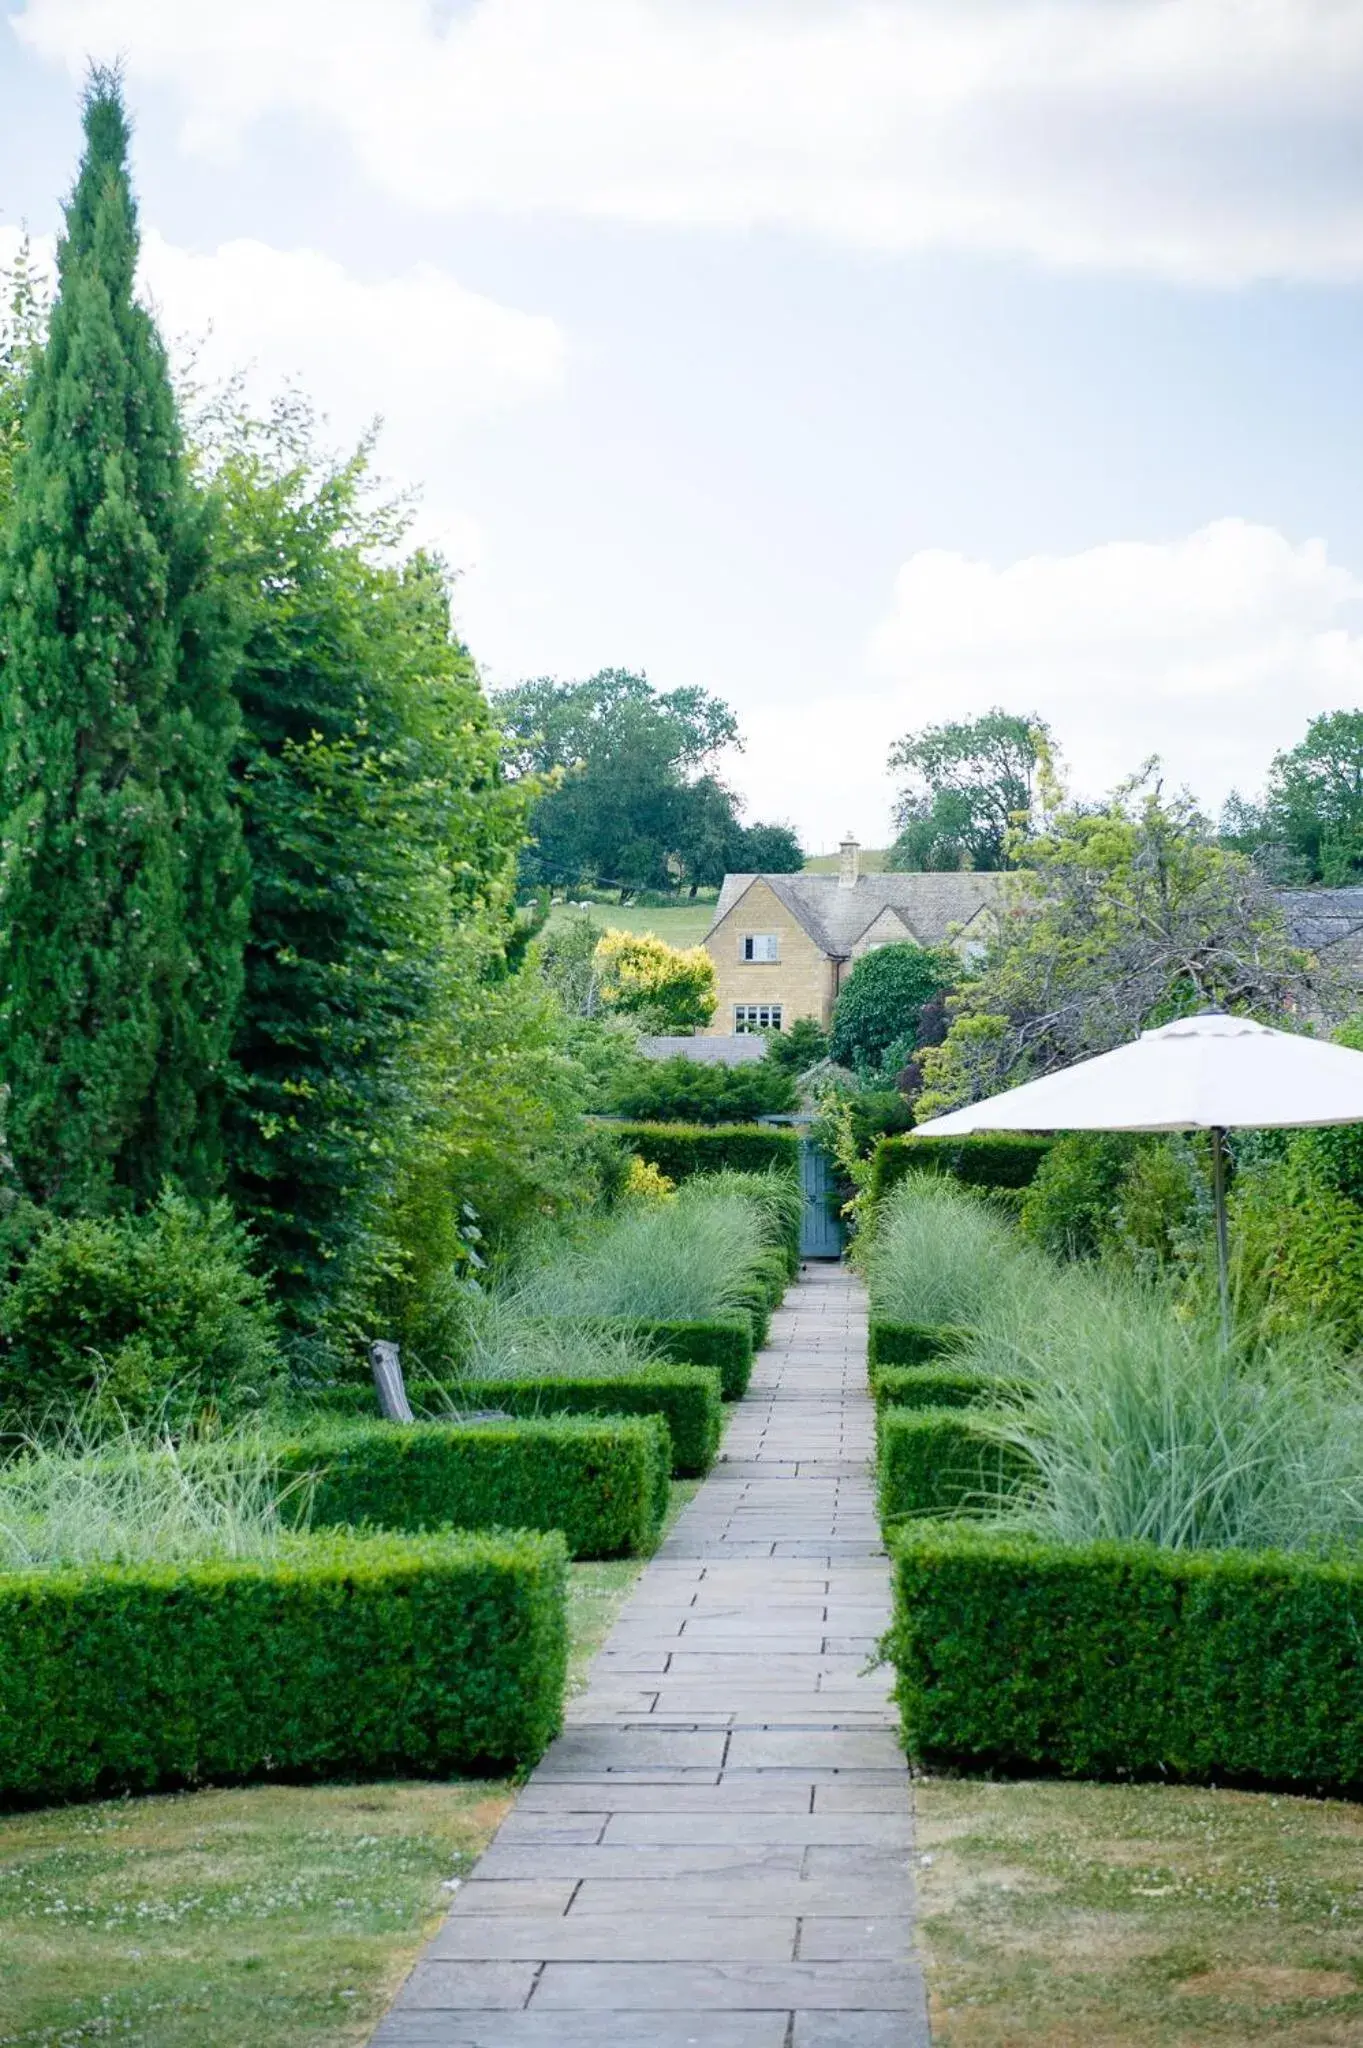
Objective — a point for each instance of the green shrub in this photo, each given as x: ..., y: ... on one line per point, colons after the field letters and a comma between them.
x: 937, y: 1253
x: 723, y: 1342
x: 347, y: 1657
x: 1121, y: 1660
x: 944, y: 1461
x: 881, y: 1000
x: 909, y: 1343
x: 686, y: 1397
x: 1071, y: 1202
x: 684, y: 1091
x: 681, y: 1150
x: 150, y: 1308
x: 1002, y: 1161
x: 937, y: 1386
x: 602, y: 1480
x: 689, y: 1259
x: 1298, y: 1252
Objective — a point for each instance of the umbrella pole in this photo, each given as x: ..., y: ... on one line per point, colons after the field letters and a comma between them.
x: 1222, y: 1246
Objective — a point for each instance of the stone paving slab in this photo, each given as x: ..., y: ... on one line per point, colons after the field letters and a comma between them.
x: 716, y: 1853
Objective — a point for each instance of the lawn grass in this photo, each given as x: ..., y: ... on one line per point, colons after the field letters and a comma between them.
x: 270, y: 1916
x: 870, y: 861
x: 1138, y: 1916
x: 681, y: 924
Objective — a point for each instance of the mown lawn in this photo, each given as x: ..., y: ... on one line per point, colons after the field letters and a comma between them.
x: 269, y: 1916
x: 1102, y: 1916
x: 682, y: 924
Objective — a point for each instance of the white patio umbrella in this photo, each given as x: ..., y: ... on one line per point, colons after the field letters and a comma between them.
x: 1208, y: 1073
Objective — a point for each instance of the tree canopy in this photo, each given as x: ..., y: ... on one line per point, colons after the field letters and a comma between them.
x: 969, y: 784
x: 1309, y: 825
x: 123, y: 886
x: 875, y: 1022
x: 1121, y: 918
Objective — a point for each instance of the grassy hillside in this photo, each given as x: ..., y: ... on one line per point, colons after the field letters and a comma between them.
x: 681, y: 924
x: 871, y: 860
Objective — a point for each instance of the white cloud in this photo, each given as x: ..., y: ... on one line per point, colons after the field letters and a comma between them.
x: 428, y: 355
x: 1212, y: 651
x: 1209, y: 139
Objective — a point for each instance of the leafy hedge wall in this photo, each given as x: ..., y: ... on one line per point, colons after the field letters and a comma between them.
x: 724, y: 1343
x: 1007, y: 1160
x: 679, y: 1150
x: 1122, y: 1660
x: 909, y: 1343
x: 687, y: 1397
x: 937, y: 1461
x: 348, y: 1657
x: 934, y: 1386
x: 602, y: 1480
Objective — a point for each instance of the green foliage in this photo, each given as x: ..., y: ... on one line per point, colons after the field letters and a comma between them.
x: 23, y: 319
x: 378, y: 1049
x: 1312, y: 815
x: 415, y: 1656
x: 683, y: 1090
x: 122, y: 879
x: 663, y: 988
x: 936, y: 1386
x: 972, y: 785
x: 1071, y: 1200
x: 602, y: 1481
x: 1297, y: 1250
x: 680, y: 1150
x: 801, y: 1045
x: 1122, y: 918
x: 880, y: 1002
x: 1005, y: 1161
x: 161, y: 1308
x: 686, y: 1397
x: 908, y: 1344
x: 1120, y: 1660
x: 691, y: 1259
x: 942, y: 1461
x: 765, y: 850
x: 629, y: 808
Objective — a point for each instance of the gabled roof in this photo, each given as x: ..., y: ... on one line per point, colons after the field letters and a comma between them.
x: 835, y: 917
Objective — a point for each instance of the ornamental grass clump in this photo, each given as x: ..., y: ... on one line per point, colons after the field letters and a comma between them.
x: 106, y: 1492
x: 501, y: 1340
x: 690, y: 1259
x: 1143, y: 1425
x: 939, y: 1254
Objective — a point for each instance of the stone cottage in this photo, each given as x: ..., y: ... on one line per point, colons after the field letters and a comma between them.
x: 784, y: 944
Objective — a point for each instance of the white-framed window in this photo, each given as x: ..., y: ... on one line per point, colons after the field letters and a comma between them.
x: 759, y: 946
x: 757, y: 1017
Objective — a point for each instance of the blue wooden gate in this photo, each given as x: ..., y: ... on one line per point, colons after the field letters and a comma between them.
x: 821, y: 1232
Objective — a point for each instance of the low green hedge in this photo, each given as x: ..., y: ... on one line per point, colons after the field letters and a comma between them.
x: 937, y: 1461
x: 936, y: 1386
x: 687, y: 1397
x: 724, y: 1343
x: 360, y: 1657
x: 679, y: 1150
x: 910, y: 1343
x: 1007, y: 1160
x: 602, y: 1480
x: 1121, y: 1660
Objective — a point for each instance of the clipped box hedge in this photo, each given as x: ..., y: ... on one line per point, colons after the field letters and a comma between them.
x: 601, y: 1480
x: 941, y: 1385
x: 1006, y: 1160
x: 687, y: 1397
x: 346, y: 1657
x: 909, y: 1343
x: 1122, y: 1660
x: 723, y: 1343
x: 937, y: 1461
x: 679, y: 1150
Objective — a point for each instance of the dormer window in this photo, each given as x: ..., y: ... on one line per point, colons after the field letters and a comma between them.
x: 759, y: 946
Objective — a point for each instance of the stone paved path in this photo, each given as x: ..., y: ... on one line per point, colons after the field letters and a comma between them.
x: 716, y: 1853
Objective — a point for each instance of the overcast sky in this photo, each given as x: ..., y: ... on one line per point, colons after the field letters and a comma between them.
x: 869, y: 364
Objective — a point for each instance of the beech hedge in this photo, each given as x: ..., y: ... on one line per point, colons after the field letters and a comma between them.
x: 937, y: 1461
x: 679, y: 1150
x: 602, y: 1480
x: 687, y: 1397
x: 1006, y: 1160
x: 345, y: 1657
x: 1123, y: 1660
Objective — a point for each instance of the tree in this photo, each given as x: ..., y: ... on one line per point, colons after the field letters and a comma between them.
x: 971, y: 782
x: 767, y: 850
x: 22, y: 326
x: 880, y: 1003
x: 1314, y: 806
x: 634, y: 807
x: 122, y: 878
x: 668, y: 988
x: 1122, y: 918
x: 382, y: 839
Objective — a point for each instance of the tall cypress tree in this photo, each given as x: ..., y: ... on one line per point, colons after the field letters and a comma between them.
x: 122, y: 876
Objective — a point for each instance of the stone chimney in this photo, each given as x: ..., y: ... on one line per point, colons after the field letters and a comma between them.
x: 847, y: 863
